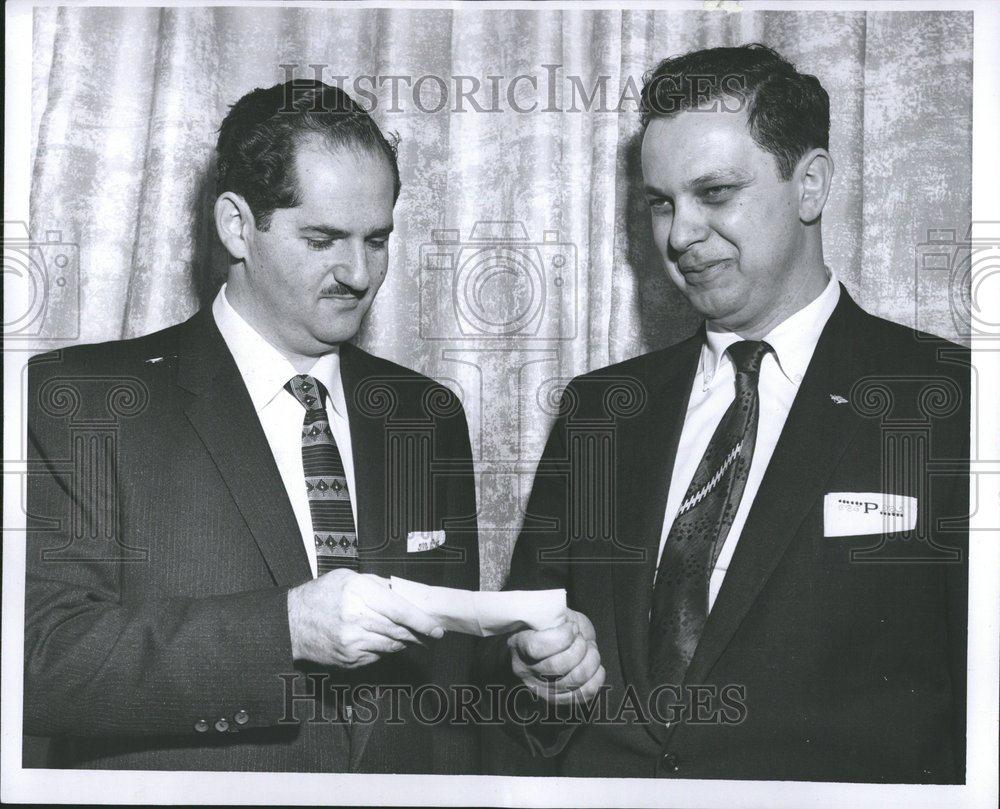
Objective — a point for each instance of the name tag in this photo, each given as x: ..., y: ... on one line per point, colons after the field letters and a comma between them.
x: 417, y: 541
x: 848, y: 514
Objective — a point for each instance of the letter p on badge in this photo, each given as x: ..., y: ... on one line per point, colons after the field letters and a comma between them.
x: 850, y: 514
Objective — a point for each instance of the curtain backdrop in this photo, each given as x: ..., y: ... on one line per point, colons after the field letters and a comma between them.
x: 127, y: 101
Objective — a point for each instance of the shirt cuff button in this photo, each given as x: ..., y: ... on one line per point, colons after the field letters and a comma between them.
x: 242, y: 717
x: 201, y: 726
x: 222, y: 725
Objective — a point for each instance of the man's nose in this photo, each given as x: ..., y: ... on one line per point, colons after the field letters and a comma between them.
x: 351, y: 269
x: 687, y: 227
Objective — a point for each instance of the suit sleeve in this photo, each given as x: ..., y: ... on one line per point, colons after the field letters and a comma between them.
x: 96, y: 666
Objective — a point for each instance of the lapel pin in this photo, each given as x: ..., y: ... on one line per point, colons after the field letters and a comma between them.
x: 838, y: 399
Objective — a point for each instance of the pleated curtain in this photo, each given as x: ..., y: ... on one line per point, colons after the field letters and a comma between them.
x: 522, y: 254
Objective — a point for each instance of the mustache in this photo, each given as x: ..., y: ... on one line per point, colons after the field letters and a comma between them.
x: 342, y: 289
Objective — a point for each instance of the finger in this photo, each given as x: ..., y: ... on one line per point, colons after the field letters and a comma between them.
x: 527, y: 674
x: 584, y: 626
x: 589, y: 689
x: 400, y: 611
x: 583, y: 671
x: 580, y: 695
x: 562, y: 663
x: 379, y: 624
x: 362, y: 659
x: 545, y: 692
x: 534, y: 646
x: 379, y: 644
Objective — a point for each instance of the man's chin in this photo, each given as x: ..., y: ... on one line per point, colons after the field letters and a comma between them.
x: 325, y: 337
x: 714, y: 305
x: 330, y: 339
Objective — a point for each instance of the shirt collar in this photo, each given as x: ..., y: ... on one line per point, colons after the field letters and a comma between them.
x: 264, y: 369
x: 793, y: 340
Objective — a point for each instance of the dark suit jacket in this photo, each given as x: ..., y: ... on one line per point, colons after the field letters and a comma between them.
x: 161, y: 546
x: 831, y: 659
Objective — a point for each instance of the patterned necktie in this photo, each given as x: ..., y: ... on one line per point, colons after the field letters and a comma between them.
x: 326, y: 482
x: 680, y: 597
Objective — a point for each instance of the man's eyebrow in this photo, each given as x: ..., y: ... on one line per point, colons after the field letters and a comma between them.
x: 722, y: 177
x: 709, y: 178
x: 326, y: 230
x: 340, y: 233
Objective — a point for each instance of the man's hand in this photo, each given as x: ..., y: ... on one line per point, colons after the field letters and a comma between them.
x: 562, y: 664
x: 350, y: 619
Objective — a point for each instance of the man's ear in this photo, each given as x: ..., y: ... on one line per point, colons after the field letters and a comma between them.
x: 234, y: 223
x: 815, y: 173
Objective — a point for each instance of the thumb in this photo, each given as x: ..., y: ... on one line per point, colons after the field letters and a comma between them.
x: 584, y: 626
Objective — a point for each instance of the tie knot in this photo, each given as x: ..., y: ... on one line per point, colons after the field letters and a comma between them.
x: 308, y: 390
x: 747, y: 356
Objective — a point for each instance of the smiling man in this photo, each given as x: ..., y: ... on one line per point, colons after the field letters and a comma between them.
x: 780, y: 593
x: 209, y: 590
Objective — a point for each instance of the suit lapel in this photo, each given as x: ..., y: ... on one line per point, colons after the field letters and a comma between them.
x: 223, y: 415
x: 814, y: 437
x: 372, y: 401
x: 645, y: 464
x: 371, y: 404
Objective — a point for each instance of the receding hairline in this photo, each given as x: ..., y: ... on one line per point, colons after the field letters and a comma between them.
x: 330, y: 144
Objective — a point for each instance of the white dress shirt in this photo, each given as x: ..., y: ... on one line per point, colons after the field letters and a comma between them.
x: 714, y: 389
x: 265, y: 370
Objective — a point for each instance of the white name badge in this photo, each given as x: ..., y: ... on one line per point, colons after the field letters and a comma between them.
x: 417, y: 541
x: 848, y: 514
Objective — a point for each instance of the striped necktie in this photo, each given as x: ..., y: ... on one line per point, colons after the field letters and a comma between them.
x: 680, y: 595
x: 334, y: 535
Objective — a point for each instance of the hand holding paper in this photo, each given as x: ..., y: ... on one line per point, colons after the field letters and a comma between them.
x: 350, y: 619
x: 555, y: 652
x: 485, y: 613
x: 562, y: 664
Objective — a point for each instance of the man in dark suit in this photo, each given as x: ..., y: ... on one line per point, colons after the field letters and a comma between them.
x: 760, y: 529
x: 216, y: 508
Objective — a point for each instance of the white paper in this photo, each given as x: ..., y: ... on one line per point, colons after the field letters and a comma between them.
x: 482, y: 613
x: 419, y: 541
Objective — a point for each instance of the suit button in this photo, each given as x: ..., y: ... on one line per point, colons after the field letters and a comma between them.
x: 669, y: 763
x: 222, y: 725
x: 201, y: 726
x: 242, y: 717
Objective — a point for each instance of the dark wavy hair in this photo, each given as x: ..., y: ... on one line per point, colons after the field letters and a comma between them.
x: 257, y: 140
x: 788, y: 113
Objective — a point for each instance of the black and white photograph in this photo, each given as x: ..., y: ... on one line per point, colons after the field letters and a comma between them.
x: 502, y: 404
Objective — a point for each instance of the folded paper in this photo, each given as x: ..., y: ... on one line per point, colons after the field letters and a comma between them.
x: 480, y: 613
x: 417, y: 541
